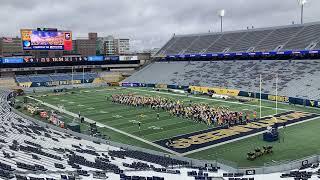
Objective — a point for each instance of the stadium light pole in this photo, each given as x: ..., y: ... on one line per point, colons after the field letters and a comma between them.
x: 222, y: 13
x: 302, y: 3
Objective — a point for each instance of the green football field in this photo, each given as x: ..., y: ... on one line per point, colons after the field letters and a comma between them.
x: 296, y: 141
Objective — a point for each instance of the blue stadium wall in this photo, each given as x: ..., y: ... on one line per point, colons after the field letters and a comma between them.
x: 54, y: 83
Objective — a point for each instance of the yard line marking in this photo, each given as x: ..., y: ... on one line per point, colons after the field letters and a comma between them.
x: 106, y: 126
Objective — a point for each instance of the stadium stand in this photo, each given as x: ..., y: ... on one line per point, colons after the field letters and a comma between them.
x: 22, y: 79
x: 297, y: 78
x: 56, y: 77
x: 292, y: 37
x: 181, y: 44
x: 40, y: 78
x: 202, y: 43
x: 61, y: 77
x: 249, y: 41
x: 30, y: 148
x: 302, y: 40
x: 226, y: 41
x: 8, y: 82
x: 278, y: 37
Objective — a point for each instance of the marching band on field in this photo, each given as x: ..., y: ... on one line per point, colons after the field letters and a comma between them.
x: 218, y: 116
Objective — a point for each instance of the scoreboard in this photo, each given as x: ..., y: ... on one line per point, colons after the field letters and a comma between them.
x: 46, y: 39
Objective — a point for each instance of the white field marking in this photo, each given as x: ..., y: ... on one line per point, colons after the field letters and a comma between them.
x: 103, y: 112
x: 101, y: 90
x: 244, y: 137
x: 217, y: 100
x: 155, y: 128
x: 91, y: 108
x: 80, y: 105
x: 63, y: 100
x: 70, y: 102
x: 134, y: 121
x: 109, y: 127
x: 117, y: 116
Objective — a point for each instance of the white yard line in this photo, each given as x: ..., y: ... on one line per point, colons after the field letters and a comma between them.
x: 244, y: 137
x: 106, y: 126
x: 217, y: 100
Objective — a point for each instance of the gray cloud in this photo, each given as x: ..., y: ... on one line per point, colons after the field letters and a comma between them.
x: 149, y: 23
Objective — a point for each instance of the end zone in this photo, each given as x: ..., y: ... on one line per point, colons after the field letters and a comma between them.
x: 198, y: 141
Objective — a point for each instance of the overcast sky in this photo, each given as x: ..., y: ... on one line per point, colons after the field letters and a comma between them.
x: 149, y: 23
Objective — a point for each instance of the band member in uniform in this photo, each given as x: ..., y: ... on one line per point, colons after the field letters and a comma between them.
x: 255, y: 115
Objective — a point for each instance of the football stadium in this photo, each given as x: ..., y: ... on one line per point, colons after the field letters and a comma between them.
x: 226, y: 105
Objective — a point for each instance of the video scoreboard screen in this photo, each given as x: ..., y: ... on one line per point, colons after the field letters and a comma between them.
x: 46, y: 39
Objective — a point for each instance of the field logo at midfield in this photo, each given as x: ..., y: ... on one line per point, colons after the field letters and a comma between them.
x: 201, y: 139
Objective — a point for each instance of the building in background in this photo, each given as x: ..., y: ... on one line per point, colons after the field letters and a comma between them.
x: 122, y: 46
x: 10, y: 46
x: 113, y: 46
x: 100, y: 50
x: 86, y: 46
x: 109, y: 48
x: 93, y: 36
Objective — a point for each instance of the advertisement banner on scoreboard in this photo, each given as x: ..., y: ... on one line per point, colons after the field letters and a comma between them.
x: 111, y: 58
x: 47, y: 60
x: 46, y: 40
x: 12, y: 60
x: 95, y: 58
x: 128, y: 58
